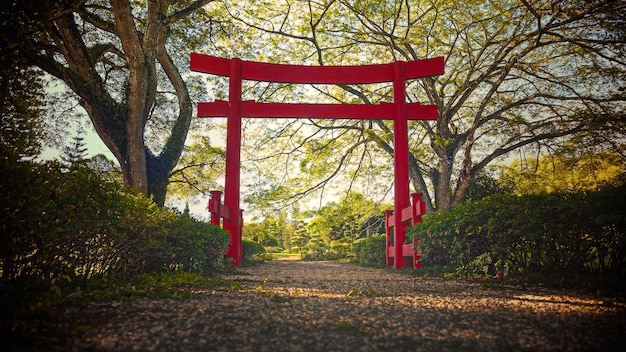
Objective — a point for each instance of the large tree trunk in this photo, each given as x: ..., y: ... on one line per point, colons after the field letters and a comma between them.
x: 69, y: 53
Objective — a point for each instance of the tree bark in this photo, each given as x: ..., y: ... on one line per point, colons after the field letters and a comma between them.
x: 119, y: 116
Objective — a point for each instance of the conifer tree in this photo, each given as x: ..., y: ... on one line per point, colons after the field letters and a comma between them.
x: 300, y: 236
x: 76, y: 152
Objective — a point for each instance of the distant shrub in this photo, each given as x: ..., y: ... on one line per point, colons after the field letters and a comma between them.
x: 342, y: 248
x: 370, y: 251
x: 314, y: 253
x: 251, y: 250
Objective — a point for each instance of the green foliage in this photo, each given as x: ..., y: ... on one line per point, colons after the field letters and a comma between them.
x: 548, y: 237
x: 485, y: 184
x: 251, y: 251
x: 300, y: 236
x: 568, y: 171
x: 342, y: 248
x: 370, y: 251
x: 261, y: 233
x: 315, y: 253
x: 345, y: 218
x: 21, y: 111
x: 189, y: 245
x: 274, y: 230
x: 77, y: 225
x: 154, y: 285
x: 160, y: 103
x: 199, y: 166
x: 505, y: 89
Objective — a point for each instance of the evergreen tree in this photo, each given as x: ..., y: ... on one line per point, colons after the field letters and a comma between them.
x: 76, y: 152
x: 316, y: 241
x: 186, y: 211
x: 300, y: 236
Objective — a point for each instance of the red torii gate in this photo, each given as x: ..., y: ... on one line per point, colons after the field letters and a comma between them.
x: 234, y: 109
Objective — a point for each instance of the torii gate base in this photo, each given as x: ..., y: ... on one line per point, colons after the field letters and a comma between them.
x: 410, y: 216
x: 399, y: 111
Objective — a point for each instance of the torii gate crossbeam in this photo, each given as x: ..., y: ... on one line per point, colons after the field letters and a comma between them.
x: 234, y: 109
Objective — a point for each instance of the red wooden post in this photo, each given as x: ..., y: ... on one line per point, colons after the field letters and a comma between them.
x: 215, y: 207
x: 233, y: 156
x: 419, y: 209
x: 388, y: 219
x: 401, y: 161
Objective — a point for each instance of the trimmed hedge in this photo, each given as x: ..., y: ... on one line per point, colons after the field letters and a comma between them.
x: 370, y: 251
x: 251, y: 251
x: 57, y: 223
x: 545, y: 236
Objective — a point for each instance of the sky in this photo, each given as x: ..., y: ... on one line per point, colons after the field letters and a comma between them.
x: 95, y: 146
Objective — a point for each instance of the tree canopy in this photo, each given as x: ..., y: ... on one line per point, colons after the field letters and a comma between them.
x: 119, y: 59
x: 518, y: 75
x: 21, y: 112
x: 565, y: 173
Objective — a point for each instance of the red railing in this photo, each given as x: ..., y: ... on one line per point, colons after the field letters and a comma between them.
x: 409, y: 216
x: 220, y: 211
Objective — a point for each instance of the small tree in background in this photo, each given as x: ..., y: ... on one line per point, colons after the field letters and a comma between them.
x: 300, y: 236
x: 76, y: 151
x: 316, y: 241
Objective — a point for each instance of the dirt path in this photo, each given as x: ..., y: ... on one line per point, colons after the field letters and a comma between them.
x: 329, y: 306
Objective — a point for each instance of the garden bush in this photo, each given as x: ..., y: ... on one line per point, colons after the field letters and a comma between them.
x: 314, y: 253
x: 273, y: 249
x: 59, y: 222
x: 370, y: 251
x: 251, y: 250
x: 342, y: 247
x: 546, y: 237
x: 320, y: 253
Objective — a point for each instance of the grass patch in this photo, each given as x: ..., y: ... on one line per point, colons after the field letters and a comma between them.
x: 284, y: 255
x: 360, y: 293
x: 346, y: 327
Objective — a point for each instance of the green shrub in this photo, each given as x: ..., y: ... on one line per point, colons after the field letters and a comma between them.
x: 273, y: 249
x: 314, y: 253
x: 370, y: 251
x: 73, y: 224
x: 342, y: 248
x: 547, y: 237
x: 185, y: 244
x: 266, y: 257
x: 251, y: 251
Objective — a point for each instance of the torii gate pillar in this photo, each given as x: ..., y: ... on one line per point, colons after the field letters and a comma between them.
x: 233, y: 163
x: 400, y: 158
x: 238, y: 70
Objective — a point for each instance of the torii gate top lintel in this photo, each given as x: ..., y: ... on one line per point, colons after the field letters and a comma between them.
x: 285, y: 73
x: 399, y: 111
